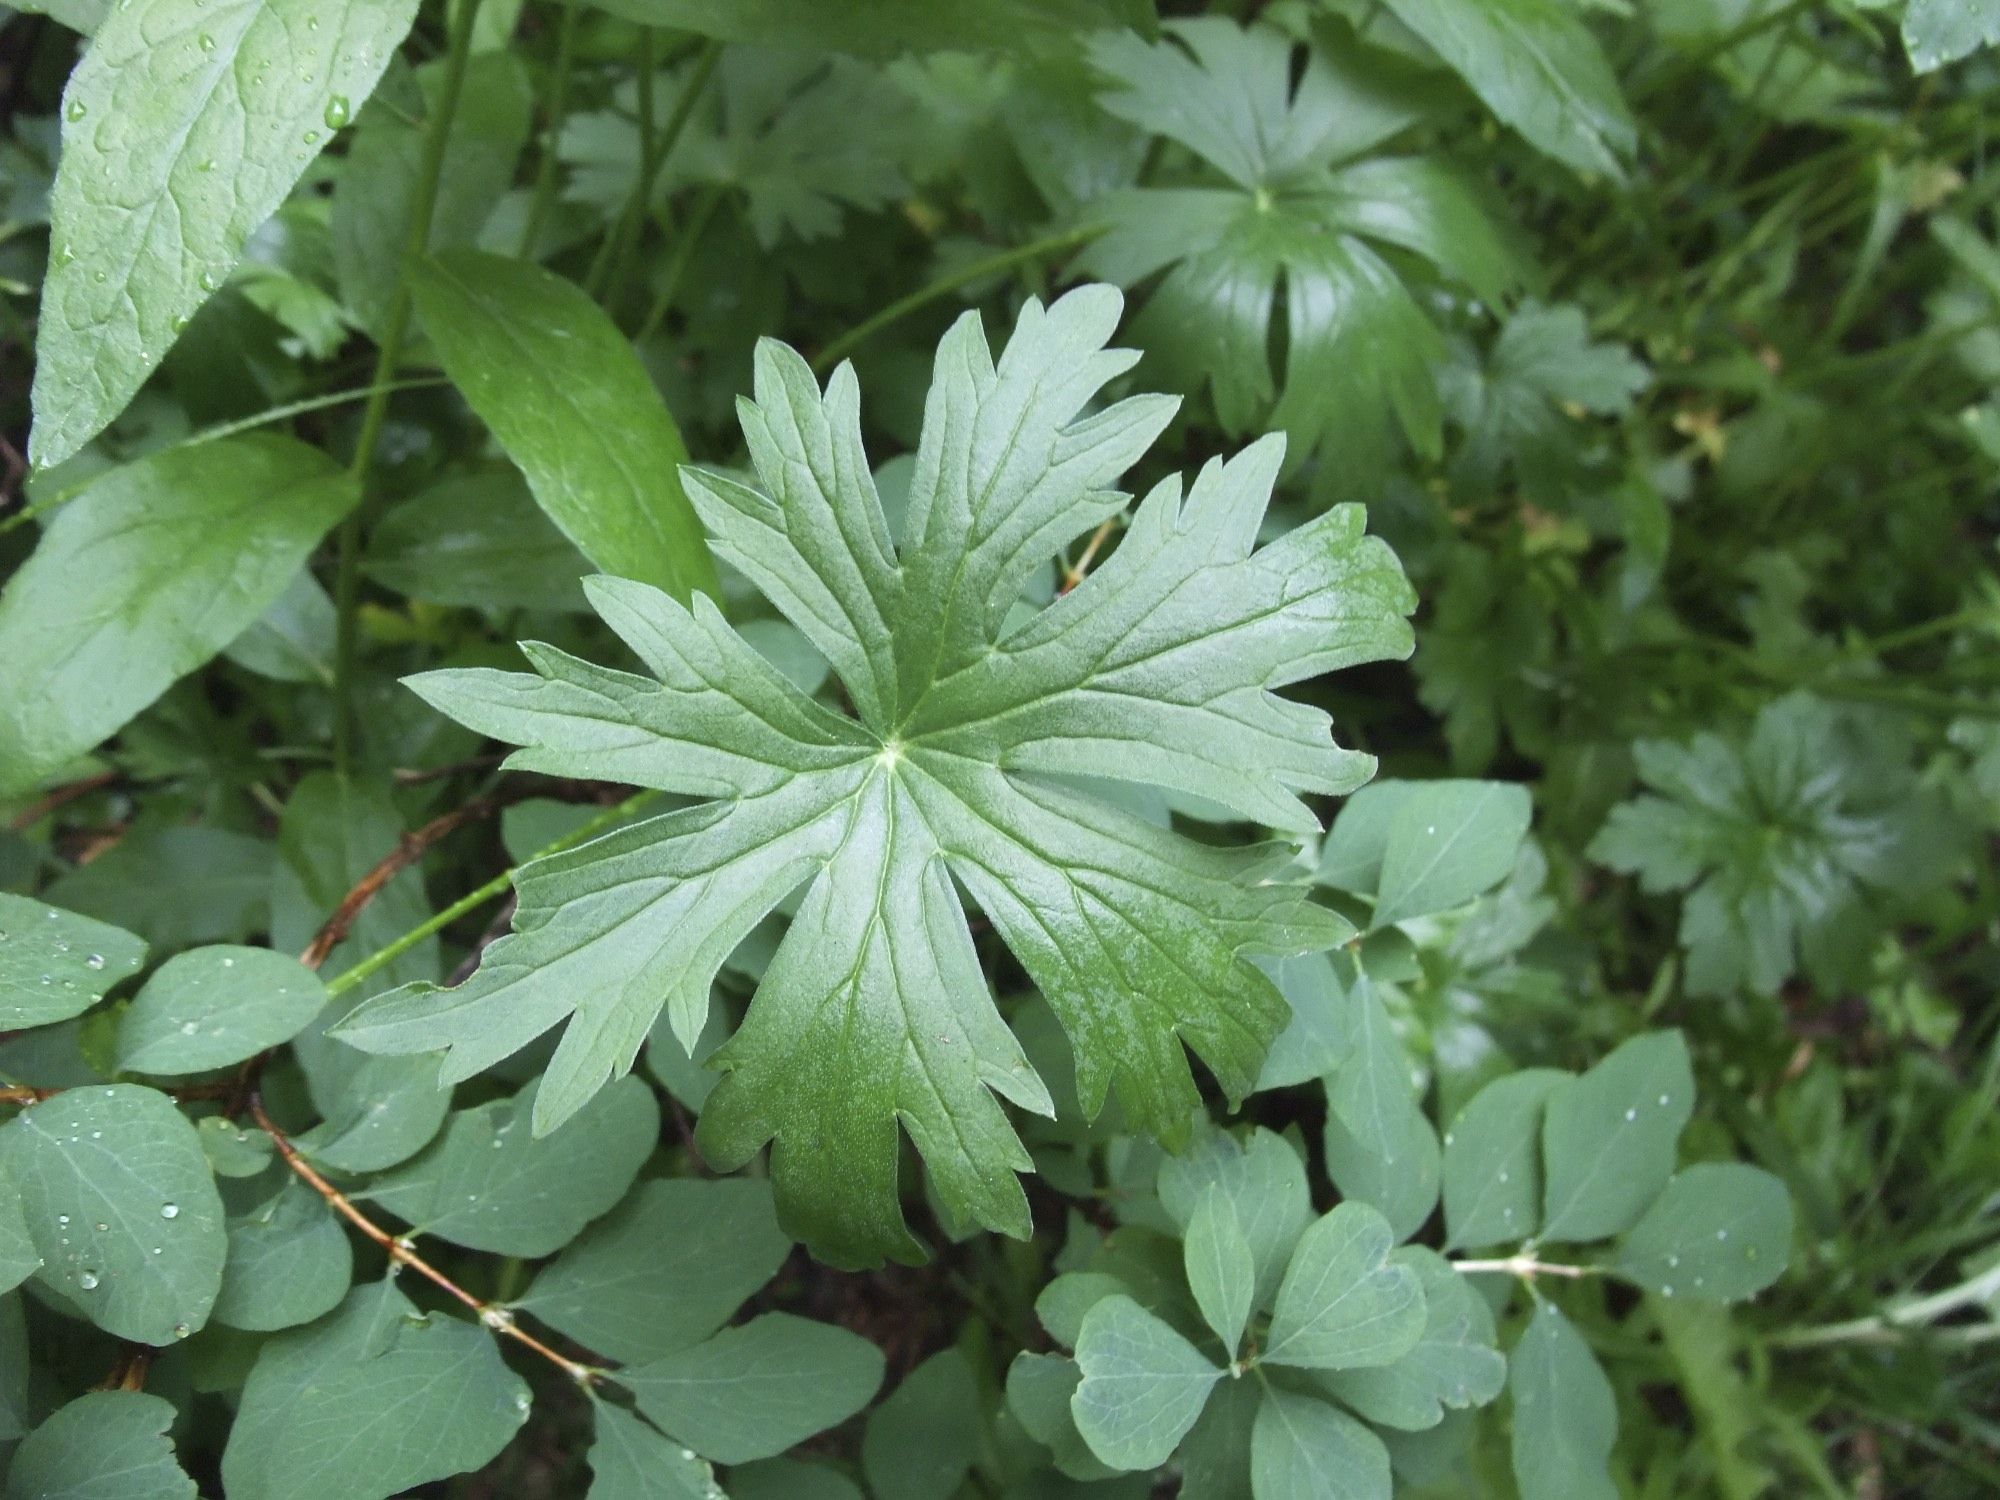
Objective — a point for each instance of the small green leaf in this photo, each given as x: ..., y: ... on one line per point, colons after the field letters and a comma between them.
x: 146, y: 575
x: 1344, y: 1304
x: 55, y: 964
x: 123, y: 1211
x: 1039, y: 1389
x: 1315, y: 1039
x: 1221, y: 1271
x: 214, y: 1006
x: 183, y: 129
x: 1565, y: 1416
x: 1302, y: 1449
x: 1380, y: 1147
x: 491, y: 1184
x: 664, y: 1269
x: 1452, y: 1365
x: 754, y: 1391
x: 289, y: 1261
x: 232, y: 1150
x: 548, y: 371
x: 1143, y: 1385
x: 1493, y: 1162
x: 1721, y: 1231
x: 922, y: 1440
x: 1609, y: 1137
x: 294, y: 640
x: 108, y: 1445
x: 371, y: 1401
x: 632, y: 1461
x: 1263, y: 1181
x: 1448, y: 841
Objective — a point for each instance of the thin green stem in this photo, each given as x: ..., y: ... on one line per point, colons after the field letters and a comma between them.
x: 545, y: 170
x: 347, y: 577
x: 684, y: 244
x: 480, y: 895
x: 654, y: 150
x: 1905, y: 1318
x: 993, y: 265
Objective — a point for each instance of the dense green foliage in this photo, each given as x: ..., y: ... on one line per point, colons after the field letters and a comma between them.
x: 1257, y: 756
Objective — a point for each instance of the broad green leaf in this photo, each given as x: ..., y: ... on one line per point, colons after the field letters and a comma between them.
x: 83, y: 16
x: 664, y: 1269
x: 1344, y: 1304
x: 1452, y: 1365
x: 874, y: 1010
x: 1535, y: 65
x: 210, y: 1007
x: 1143, y: 1385
x: 1221, y: 1271
x: 1380, y: 1147
x: 921, y: 1441
x: 107, y: 1445
x: 1263, y: 1181
x: 1215, y: 1455
x: 1302, y: 1449
x: 1039, y: 1388
x: 175, y: 885
x: 632, y: 1461
x: 1609, y: 1137
x: 478, y: 541
x: 1936, y: 32
x: 122, y: 1209
x: 548, y: 371
x: 1315, y: 1039
x: 1449, y: 841
x: 289, y: 1261
x: 294, y: 640
x: 1721, y: 1231
x: 19, y: 1259
x: 184, y: 127
x: 375, y: 1399
x: 55, y: 964
x: 753, y: 1391
x: 1493, y: 1162
x: 490, y: 1183
x: 145, y: 576
x: 885, y: 28
x: 1565, y: 1417
x: 233, y: 1150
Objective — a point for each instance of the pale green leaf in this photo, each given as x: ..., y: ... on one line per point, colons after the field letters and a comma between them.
x: 118, y: 1198
x: 184, y: 127
x: 663, y: 1270
x: 371, y: 1401
x: 1453, y: 1365
x: 1565, y: 1417
x: 107, y: 1445
x: 210, y: 1007
x: 1609, y: 1137
x: 145, y: 576
x: 1302, y: 1449
x: 1448, y: 842
x: 922, y: 1440
x: 1265, y: 1185
x: 1143, y: 1385
x: 550, y: 373
x: 289, y: 1261
x: 1493, y: 1162
x: 1380, y: 1147
x: 874, y: 1011
x: 1315, y: 1039
x: 175, y: 884
x: 632, y: 1461
x: 1221, y: 1271
x: 1344, y: 1304
x: 490, y: 1183
x: 754, y: 1391
x: 1039, y: 1388
x: 19, y: 1259
x: 1721, y: 1232
x: 1936, y: 32
x: 55, y: 964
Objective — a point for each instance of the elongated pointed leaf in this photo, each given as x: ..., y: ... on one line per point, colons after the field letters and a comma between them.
x: 1565, y: 1417
x: 1221, y: 1271
x: 1609, y: 1136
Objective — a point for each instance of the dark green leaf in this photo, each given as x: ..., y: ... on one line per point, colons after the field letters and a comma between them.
x: 108, y: 1445
x: 1721, y: 1232
x: 289, y: 1261
x: 632, y: 1461
x: 921, y: 1442
x: 1565, y: 1417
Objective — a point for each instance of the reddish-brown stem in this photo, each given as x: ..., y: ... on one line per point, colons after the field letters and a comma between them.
x: 22, y: 1094
x: 401, y: 1252
x: 1078, y: 570
x: 42, y: 806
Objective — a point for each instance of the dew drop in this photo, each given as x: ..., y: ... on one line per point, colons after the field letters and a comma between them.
x: 207, y: 42
x: 95, y: 961
x: 1722, y: 1234
x: 210, y: 282
x: 103, y: 1228
x: 229, y: 963
x: 187, y: 1028
x: 1750, y: 1252
x: 181, y: 1330
x: 1666, y: 1291
x: 170, y: 1210
x: 1631, y: 1114
x: 312, y: 137
x: 1665, y: 1100
x: 87, y: 1280
x: 338, y: 112
x: 77, y: 110
x: 62, y: 1219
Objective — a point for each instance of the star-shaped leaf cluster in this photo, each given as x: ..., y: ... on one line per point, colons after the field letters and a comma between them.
x: 962, y: 773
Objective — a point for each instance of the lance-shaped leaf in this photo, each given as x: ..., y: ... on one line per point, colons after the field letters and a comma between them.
x: 1160, y: 669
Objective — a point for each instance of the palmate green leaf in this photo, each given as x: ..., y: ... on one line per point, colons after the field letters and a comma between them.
x: 145, y: 576
x: 490, y: 1183
x: 1453, y: 1365
x: 1302, y: 211
x: 550, y: 373
x: 1302, y: 1449
x: 184, y: 126
x: 1609, y: 1137
x: 1159, y: 669
x: 1344, y: 1304
x: 119, y: 1201
x: 1537, y: 67
x: 1565, y: 1416
x: 55, y: 964
x: 1720, y: 1232
x: 372, y: 1401
x: 1143, y: 1385
x: 210, y: 1007
x: 107, y: 1445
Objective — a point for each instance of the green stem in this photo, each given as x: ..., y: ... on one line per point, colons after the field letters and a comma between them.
x: 993, y: 265
x: 1902, y: 1319
x: 347, y: 577
x: 654, y: 149
x: 670, y: 284
x: 479, y: 896
x: 545, y: 170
